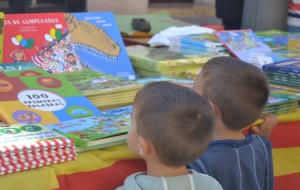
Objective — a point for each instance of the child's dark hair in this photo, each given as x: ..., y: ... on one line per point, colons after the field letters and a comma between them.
x: 175, y: 119
x: 239, y: 89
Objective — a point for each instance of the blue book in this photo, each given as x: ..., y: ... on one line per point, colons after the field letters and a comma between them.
x: 245, y: 45
x: 291, y: 66
x: 99, y: 43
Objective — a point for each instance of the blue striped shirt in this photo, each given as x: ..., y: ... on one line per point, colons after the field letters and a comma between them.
x: 238, y: 164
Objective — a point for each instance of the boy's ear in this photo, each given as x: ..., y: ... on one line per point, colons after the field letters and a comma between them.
x: 145, y: 146
x: 215, y: 108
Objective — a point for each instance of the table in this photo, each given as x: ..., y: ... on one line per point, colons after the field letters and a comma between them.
x: 106, y: 169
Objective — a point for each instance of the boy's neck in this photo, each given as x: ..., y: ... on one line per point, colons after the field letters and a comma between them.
x: 223, y: 133
x: 158, y: 169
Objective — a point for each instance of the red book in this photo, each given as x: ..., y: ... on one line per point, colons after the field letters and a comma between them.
x: 42, y: 38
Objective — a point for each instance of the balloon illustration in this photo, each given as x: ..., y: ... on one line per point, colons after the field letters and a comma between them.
x: 15, y: 41
x: 19, y: 40
x: 19, y: 37
x: 58, y: 26
x: 54, y: 33
x: 48, y: 38
x: 23, y: 42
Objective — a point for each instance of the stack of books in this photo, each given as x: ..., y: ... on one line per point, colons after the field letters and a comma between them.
x: 97, y: 131
x: 151, y: 62
x: 285, y: 73
x: 282, y: 101
x: 103, y: 90
x: 205, y: 44
x: 27, y: 146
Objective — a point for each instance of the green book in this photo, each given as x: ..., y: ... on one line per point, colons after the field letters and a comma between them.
x: 110, y: 128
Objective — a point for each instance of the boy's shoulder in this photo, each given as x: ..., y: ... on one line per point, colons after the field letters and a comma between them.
x: 224, y: 151
x: 228, y: 160
x: 139, y: 181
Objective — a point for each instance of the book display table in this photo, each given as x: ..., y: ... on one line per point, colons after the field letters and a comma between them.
x: 107, y: 168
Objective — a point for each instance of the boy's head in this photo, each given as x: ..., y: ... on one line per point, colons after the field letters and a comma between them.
x: 172, y: 122
x: 238, y: 89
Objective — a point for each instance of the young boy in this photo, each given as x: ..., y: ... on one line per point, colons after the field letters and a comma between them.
x: 239, y: 92
x: 171, y: 126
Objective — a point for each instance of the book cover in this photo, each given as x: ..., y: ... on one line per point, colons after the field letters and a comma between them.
x: 1, y: 35
x: 162, y: 59
x: 91, y: 129
x: 41, y: 98
x: 90, y: 82
x: 16, y: 137
x: 99, y: 43
x: 42, y: 38
x: 291, y: 66
x: 245, y: 45
x: 275, y: 39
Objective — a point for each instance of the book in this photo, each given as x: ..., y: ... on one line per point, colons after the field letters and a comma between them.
x: 35, y: 96
x: 103, y: 90
x: 245, y: 45
x: 282, y: 101
x: 99, y: 43
x: 27, y: 146
x: 1, y: 35
x: 97, y: 131
x: 275, y: 39
x: 291, y: 66
x: 207, y: 40
x: 42, y: 38
x: 163, y: 62
x: 18, y: 138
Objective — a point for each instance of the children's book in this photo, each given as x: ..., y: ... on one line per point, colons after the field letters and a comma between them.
x: 99, y: 43
x: 282, y: 101
x: 90, y: 82
x: 97, y: 131
x: 34, y: 96
x: 14, y: 138
x: 42, y: 38
x: 28, y: 146
x: 245, y: 45
x: 285, y: 67
x: 1, y: 35
x: 275, y: 39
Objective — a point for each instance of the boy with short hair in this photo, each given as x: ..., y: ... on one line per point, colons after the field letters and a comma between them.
x: 171, y: 126
x: 239, y: 92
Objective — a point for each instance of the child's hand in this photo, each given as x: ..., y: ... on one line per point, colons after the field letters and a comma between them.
x: 266, y: 128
